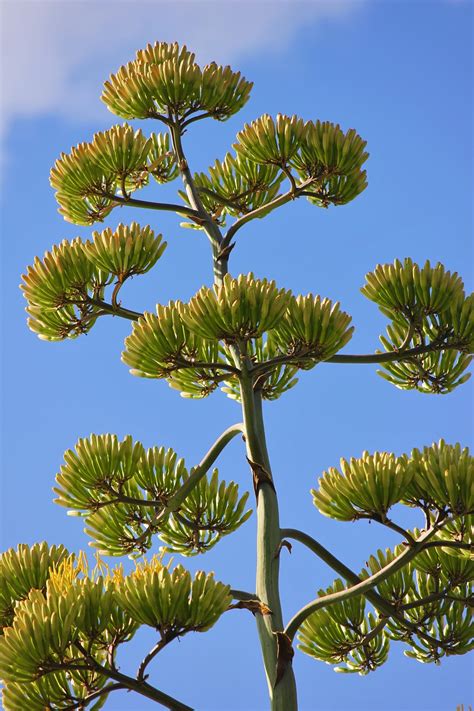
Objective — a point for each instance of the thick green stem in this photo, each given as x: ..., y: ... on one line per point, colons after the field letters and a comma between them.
x: 243, y: 595
x: 203, y: 467
x: 359, y: 586
x: 394, y: 356
x: 375, y: 358
x: 138, y: 685
x: 195, y: 477
x: 282, y: 694
x: 145, y: 689
x: 147, y: 204
x: 114, y: 310
x: 264, y: 210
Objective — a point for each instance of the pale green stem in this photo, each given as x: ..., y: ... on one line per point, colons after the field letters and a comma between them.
x: 105, y: 691
x: 242, y: 595
x: 203, y: 467
x: 375, y: 358
x: 394, y: 356
x: 360, y: 587
x: 283, y: 695
x: 210, y: 227
x: 140, y: 686
x: 197, y: 474
x: 160, y: 206
x: 114, y: 310
x: 264, y: 210
x: 145, y: 689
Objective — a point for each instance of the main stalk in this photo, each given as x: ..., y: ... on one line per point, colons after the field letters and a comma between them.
x: 282, y: 693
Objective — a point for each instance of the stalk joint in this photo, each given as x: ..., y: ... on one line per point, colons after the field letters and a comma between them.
x: 254, y: 606
x: 283, y: 544
x: 260, y: 476
x: 285, y: 654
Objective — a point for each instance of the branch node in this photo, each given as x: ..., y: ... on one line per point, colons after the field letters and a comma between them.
x: 260, y: 476
x: 283, y: 544
x: 285, y: 654
x: 254, y: 606
x: 225, y: 251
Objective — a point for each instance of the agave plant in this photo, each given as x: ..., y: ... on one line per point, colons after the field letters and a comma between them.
x: 63, y: 623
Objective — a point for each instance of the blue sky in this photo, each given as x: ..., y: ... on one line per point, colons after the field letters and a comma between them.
x: 400, y: 73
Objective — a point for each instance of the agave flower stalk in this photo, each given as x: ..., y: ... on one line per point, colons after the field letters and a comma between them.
x: 62, y: 623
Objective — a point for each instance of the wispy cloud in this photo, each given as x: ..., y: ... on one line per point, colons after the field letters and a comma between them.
x: 56, y: 53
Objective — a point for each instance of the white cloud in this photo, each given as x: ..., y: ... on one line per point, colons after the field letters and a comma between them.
x: 57, y: 53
